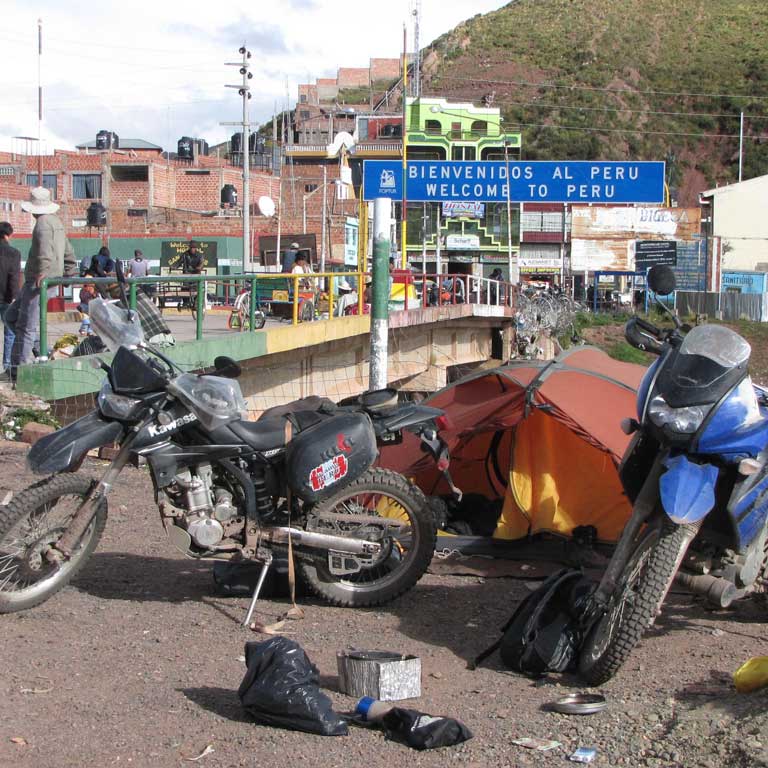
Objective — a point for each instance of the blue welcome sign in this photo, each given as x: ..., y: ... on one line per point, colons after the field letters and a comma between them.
x: 496, y: 181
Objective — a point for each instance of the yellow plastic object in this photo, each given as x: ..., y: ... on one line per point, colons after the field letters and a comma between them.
x: 751, y: 675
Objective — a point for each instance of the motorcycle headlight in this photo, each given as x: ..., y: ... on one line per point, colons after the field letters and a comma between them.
x: 684, y: 421
x: 117, y: 406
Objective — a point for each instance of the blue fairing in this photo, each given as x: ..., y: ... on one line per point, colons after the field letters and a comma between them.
x: 687, y: 489
x: 750, y: 511
x: 738, y: 428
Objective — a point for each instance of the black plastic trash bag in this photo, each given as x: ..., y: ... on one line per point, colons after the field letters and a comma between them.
x: 281, y: 688
x: 422, y: 731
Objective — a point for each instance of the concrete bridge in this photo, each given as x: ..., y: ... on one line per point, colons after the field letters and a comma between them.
x: 326, y: 357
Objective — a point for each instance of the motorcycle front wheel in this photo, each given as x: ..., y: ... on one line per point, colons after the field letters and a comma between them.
x: 30, y: 525
x: 647, y: 578
x: 406, y: 551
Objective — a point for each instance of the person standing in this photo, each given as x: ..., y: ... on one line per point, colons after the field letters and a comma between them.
x: 10, y: 277
x: 51, y: 255
x: 138, y: 266
x: 300, y: 267
x: 192, y: 260
x: 289, y: 257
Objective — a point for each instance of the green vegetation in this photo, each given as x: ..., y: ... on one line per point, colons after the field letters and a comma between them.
x: 627, y: 353
x: 639, y: 79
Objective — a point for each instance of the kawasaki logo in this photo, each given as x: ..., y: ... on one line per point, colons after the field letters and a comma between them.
x: 161, y: 429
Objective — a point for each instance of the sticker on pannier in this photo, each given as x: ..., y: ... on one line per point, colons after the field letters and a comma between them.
x: 328, y: 473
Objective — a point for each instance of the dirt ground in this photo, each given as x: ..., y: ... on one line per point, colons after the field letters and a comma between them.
x: 138, y: 663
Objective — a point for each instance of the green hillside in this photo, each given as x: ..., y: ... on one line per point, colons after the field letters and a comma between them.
x: 620, y: 79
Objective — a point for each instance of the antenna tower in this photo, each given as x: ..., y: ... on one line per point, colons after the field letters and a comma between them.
x: 416, y: 80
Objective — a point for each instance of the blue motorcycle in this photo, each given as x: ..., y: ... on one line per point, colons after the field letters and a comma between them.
x: 696, y: 472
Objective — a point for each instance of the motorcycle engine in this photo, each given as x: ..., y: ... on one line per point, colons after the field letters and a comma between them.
x: 207, y: 508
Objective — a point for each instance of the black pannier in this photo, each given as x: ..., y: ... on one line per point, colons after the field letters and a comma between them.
x: 334, y: 452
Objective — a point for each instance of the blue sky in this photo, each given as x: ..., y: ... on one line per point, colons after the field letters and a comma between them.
x: 155, y: 70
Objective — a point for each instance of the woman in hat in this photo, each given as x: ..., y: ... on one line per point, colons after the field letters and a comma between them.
x: 347, y: 297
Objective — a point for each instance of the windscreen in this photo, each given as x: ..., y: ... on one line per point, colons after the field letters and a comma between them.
x: 717, y: 343
x: 711, y: 360
x: 116, y: 326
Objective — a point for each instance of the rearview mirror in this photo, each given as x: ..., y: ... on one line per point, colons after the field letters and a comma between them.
x: 661, y: 280
x: 226, y: 367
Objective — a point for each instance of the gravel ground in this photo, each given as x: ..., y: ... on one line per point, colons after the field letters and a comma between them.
x: 138, y: 663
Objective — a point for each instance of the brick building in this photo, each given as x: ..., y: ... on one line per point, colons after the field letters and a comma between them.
x: 151, y: 196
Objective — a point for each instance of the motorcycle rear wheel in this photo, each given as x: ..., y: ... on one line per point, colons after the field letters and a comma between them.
x: 34, y: 520
x: 648, y: 576
x: 405, y: 558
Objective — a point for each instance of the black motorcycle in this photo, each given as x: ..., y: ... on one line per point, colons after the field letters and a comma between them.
x: 302, y: 476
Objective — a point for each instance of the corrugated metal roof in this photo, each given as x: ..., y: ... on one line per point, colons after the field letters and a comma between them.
x: 124, y: 144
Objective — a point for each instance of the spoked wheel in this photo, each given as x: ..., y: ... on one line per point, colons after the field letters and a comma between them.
x: 383, y: 507
x: 647, y: 578
x: 30, y: 525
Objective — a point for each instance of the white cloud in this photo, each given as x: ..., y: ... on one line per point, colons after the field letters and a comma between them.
x: 156, y: 70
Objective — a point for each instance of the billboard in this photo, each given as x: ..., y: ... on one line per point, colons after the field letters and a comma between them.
x: 649, y: 253
x: 171, y: 252
x: 647, y: 222
x: 602, y: 255
x: 496, y: 181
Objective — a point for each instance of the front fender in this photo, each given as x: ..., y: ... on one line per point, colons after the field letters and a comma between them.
x: 65, y: 447
x: 687, y: 489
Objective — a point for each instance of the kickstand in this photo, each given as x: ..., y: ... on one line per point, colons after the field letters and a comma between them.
x: 259, y: 585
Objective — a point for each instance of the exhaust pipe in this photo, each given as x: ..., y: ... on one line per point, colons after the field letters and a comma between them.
x: 322, y: 541
x: 719, y: 592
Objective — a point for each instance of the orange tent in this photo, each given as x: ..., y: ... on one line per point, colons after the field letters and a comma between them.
x: 541, y: 435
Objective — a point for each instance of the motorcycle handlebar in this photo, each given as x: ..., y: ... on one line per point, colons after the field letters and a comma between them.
x: 643, y: 335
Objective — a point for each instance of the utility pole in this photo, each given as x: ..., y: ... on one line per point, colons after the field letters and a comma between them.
x: 245, y: 91
x: 323, y: 253
x: 40, y: 104
x: 382, y: 216
x: 741, y: 143
x: 512, y: 267
x: 404, y: 212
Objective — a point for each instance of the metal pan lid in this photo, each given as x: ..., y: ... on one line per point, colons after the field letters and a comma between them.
x: 579, y: 704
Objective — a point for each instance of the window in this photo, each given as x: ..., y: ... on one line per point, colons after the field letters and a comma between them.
x: 130, y: 173
x: 310, y: 188
x: 304, y: 114
x: 463, y: 153
x: 303, y: 98
x: 86, y: 186
x: 49, y: 182
x: 433, y: 128
x: 480, y: 128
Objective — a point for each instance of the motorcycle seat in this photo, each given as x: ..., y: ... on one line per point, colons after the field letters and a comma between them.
x: 262, y: 435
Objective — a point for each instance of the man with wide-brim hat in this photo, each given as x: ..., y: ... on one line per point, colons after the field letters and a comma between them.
x: 50, y: 255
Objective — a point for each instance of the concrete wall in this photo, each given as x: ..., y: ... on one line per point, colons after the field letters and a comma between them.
x: 328, y: 358
x: 739, y: 219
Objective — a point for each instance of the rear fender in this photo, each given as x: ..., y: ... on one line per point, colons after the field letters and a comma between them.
x: 405, y: 416
x: 687, y: 489
x: 64, y: 448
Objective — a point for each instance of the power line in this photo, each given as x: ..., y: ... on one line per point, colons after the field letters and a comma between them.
x: 638, y: 130
x: 578, y: 108
x: 628, y: 91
